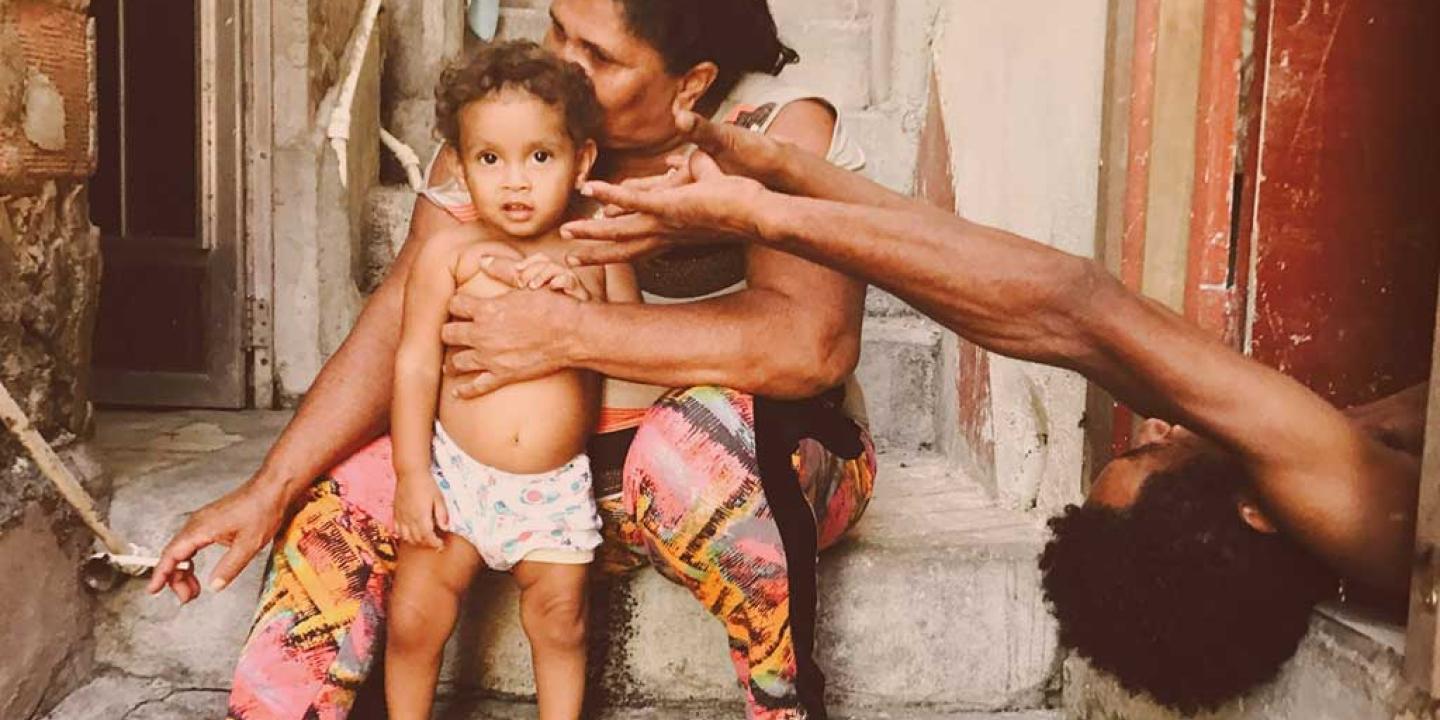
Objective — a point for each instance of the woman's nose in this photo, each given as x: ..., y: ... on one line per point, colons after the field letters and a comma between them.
x: 1152, y: 430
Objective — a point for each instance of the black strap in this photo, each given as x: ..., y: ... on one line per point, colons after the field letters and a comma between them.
x: 780, y: 425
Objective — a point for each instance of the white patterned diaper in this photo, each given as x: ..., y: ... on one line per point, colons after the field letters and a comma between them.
x: 546, y: 517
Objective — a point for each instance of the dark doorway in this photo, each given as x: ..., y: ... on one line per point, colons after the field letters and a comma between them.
x: 166, y: 199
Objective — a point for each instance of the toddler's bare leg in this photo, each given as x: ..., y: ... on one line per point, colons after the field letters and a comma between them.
x: 423, y: 608
x: 552, y: 611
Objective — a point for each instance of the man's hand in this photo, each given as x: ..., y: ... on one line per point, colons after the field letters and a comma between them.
x: 736, y: 150
x: 420, y: 513
x: 516, y: 337
x: 705, y: 205
x: 244, y: 520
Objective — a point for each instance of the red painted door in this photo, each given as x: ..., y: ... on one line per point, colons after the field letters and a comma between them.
x: 1346, y: 215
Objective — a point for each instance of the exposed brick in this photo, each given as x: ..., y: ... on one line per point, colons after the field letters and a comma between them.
x: 48, y: 44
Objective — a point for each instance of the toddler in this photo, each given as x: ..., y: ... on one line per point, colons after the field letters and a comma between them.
x: 500, y: 481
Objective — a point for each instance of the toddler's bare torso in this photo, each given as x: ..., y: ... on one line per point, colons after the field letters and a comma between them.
x: 524, y: 428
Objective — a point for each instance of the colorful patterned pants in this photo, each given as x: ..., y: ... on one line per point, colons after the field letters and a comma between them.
x: 694, y: 502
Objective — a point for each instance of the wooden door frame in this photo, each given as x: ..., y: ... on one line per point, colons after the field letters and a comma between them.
x: 259, y: 209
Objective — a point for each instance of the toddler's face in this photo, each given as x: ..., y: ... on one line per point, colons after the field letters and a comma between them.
x: 519, y: 163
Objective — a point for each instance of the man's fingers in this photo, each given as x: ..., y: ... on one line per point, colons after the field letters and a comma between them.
x: 647, y: 183
x: 703, y: 165
x: 628, y: 227
x: 610, y: 194
x: 610, y: 253
x: 231, y: 564
x: 716, y: 138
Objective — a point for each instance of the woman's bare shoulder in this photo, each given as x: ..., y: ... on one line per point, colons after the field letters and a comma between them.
x: 807, y: 122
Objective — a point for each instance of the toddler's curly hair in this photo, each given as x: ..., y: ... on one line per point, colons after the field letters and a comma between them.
x: 517, y: 65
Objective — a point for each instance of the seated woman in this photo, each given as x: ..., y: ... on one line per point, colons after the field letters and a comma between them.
x: 1191, y: 570
x: 755, y: 455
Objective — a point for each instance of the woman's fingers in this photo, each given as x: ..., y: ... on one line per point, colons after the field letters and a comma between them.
x: 539, y: 275
x: 232, y: 563
x: 570, y: 285
x: 181, y: 548
x: 464, y: 306
x: 483, y: 383
x: 501, y: 268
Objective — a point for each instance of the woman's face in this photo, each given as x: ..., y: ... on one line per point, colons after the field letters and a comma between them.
x: 631, y: 81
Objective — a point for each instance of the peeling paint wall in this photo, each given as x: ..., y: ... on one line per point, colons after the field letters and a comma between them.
x: 1019, y: 92
x: 49, y: 287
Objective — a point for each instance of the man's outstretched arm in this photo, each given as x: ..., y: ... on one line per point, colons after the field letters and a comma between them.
x: 1336, y: 489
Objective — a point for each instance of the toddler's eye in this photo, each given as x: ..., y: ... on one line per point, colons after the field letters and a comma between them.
x: 542, y: 156
x: 489, y: 158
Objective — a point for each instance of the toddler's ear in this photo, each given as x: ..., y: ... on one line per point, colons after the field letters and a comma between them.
x: 584, y: 162
x: 449, y: 158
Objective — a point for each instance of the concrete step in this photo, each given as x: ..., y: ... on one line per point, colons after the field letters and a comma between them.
x: 900, y: 366
x: 1348, y: 667
x: 387, y: 222
x: 120, y: 696
x: 934, y: 603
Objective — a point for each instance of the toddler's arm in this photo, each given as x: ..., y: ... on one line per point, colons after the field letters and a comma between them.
x: 419, y: 509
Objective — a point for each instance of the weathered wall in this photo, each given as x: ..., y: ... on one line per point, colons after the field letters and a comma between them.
x: 318, y: 261
x: 1019, y: 91
x: 49, y: 285
x: 424, y: 35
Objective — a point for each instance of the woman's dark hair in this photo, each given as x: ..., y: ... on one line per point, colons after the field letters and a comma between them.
x: 517, y: 65
x: 739, y: 36
x: 1176, y: 596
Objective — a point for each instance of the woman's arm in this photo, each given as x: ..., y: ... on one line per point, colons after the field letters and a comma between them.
x: 347, y: 404
x: 344, y: 408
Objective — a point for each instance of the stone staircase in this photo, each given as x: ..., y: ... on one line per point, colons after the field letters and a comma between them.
x: 930, y: 610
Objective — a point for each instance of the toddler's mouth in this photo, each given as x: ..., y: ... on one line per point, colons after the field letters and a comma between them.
x: 517, y: 210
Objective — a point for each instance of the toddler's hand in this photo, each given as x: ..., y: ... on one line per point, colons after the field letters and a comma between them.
x: 420, y: 513
x: 539, y: 271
